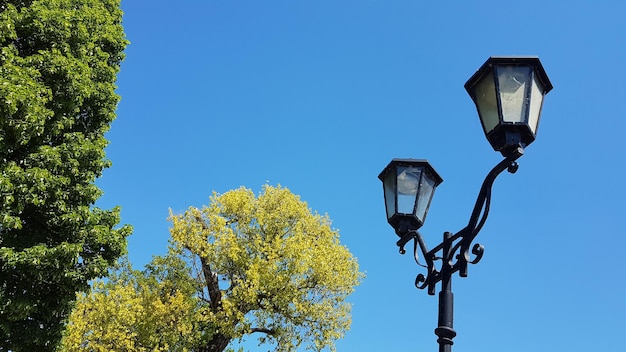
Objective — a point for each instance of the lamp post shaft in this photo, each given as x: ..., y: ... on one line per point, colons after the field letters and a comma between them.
x: 445, y: 330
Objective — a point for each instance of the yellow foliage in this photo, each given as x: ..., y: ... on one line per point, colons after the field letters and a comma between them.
x: 262, y: 264
x: 134, y: 314
x: 281, y: 268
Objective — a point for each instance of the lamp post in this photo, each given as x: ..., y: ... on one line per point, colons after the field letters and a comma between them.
x: 508, y: 93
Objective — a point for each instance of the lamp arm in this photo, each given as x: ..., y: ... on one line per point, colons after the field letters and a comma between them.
x: 417, y: 240
x: 481, y: 212
x: 460, y: 242
x: 484, y: 196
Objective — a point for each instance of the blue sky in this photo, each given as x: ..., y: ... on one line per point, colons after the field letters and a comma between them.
x: 319, y: 96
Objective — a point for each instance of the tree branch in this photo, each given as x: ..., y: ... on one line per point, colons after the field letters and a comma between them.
x: 212, y: 284
x: 212, y: 281
x: 263, y: 330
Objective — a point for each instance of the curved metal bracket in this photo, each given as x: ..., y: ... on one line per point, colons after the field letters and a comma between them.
x: 454, y: 252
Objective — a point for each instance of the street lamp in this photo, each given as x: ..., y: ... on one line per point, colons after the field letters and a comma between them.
x: 508, y: 93
x: 409, y: 186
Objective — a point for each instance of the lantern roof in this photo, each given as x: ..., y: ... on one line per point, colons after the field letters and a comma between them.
x: 531, y: 60
x: 412, y: 162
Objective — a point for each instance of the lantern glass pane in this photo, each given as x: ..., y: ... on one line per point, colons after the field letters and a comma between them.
x: 427, y: 188
x: 536, y: 100
x: 513, y: 82
x: 408, y: 185
x: 486, y: 102
x: 389, y: 185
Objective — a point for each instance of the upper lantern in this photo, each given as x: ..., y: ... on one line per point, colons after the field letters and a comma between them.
x: 508, y: 93
x: 408, y: 187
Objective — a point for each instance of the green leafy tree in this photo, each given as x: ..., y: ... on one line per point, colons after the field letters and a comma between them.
x: 58, y: 65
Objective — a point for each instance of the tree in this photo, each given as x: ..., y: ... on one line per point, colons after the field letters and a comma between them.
x: 268, y: 265
x: 58, y: 65
x: 242, y: 265
x: 138, y: 311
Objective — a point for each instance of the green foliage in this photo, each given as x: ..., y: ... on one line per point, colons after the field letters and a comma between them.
x: 58, y: 65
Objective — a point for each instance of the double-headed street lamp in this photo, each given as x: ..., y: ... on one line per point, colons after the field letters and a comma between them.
x: 508, y: 93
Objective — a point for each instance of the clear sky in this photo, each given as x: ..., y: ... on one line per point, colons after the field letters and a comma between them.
x: 319, y: 96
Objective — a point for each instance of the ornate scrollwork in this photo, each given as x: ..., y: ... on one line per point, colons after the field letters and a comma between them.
x: 454, y: 252
x: 420, y: 281
x: 456, y: 259
x: 478, y: 250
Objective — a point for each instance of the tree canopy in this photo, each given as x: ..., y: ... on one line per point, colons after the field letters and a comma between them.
x: 152, y: 310
x: 58, y: 65
x: 265, y: 265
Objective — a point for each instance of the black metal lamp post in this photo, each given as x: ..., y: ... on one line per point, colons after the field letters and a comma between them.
x: 508, y: 93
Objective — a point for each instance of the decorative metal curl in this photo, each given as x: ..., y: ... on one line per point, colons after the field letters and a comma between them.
x: 456, y: 260
x: 454, y: 252
x: 478, y: 250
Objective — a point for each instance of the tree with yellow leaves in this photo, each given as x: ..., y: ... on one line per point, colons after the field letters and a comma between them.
x: 137, y: 311
x: 268, y: 265
x: 261, y: 265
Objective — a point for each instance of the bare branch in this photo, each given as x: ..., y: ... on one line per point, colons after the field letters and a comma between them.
x: 212, y: 284
x: 263, y: 330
